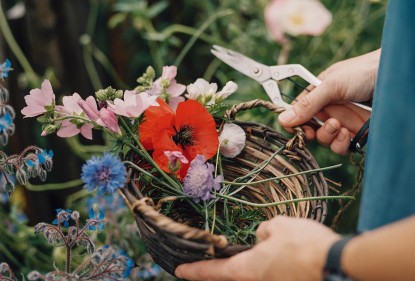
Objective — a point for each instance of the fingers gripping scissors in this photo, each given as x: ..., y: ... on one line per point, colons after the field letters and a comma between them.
x: 268, y: 77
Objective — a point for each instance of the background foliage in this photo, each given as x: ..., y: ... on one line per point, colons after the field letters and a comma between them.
x: 82, y: 46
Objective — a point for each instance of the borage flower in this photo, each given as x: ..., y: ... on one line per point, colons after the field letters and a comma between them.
x: 191, y: 131
x: 96, y: 220
x: 5, y: 67
x: 6, y: 128
x: 106, y: 173
x: 39, y: 100
x: 199, y: 181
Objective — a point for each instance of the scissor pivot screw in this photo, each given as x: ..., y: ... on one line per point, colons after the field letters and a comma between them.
x: 256, y: 71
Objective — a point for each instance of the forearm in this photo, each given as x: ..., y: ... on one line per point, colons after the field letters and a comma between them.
x: 383, y: 254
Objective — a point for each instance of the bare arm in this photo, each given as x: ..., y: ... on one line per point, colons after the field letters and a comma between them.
x: 383, y: 254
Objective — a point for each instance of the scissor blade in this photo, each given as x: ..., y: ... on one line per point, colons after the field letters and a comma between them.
x: 243, y: 64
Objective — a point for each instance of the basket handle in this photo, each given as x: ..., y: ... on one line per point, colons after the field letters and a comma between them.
x: 296, y: 141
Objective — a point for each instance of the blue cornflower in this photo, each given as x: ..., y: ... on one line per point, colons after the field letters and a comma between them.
x: 5, y: 68
x: 63, y: 218
x: 105, y: 173
x: 97, y: 217
x: 199, y: 181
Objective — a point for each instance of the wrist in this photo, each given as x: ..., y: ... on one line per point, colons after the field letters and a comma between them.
x: 334, y: 267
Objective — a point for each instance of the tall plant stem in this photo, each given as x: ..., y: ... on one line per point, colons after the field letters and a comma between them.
x: 15, y: 48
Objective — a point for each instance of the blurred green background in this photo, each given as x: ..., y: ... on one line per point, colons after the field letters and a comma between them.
x: 82, y: 46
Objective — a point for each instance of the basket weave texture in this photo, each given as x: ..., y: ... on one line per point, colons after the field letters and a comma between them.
x: 173, y: 240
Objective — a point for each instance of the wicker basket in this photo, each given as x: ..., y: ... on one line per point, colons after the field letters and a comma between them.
x: 171, y: 241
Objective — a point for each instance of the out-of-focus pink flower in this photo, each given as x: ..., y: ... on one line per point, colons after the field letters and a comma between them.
x: 168, y: 81
x: 68, y: 128
x: 38, y: 99
x: 133, y: 104
x: 296, y: 17
x: 104, y: 117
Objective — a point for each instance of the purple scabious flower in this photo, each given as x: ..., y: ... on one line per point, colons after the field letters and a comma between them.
x: 199, y: 180
x: 106, y: 173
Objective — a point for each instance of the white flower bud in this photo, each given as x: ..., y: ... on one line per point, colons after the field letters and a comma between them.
x: 232, y: 140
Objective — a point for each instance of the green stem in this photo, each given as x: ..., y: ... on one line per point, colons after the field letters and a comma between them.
x: 155, y: 178
x: 264, y: 205
x: 84, y: 151
x: 177, y: 28
x: 87, y: 45
x: 54, y: 186
x: 199, y: 32
x: 106, y: 63
x: 68, y: 259
x: 285, y: 176
x: 15, y: 48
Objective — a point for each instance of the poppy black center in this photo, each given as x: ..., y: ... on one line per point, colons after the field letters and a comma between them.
x: 184, y: 136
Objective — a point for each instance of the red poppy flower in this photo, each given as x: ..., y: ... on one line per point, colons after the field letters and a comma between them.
x: 191, y: 130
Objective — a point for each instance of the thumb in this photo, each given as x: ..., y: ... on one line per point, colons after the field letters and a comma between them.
x: 307, y: 106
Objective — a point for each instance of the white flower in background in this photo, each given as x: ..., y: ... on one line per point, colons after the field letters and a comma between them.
x: 205, y: 92
x: 296, y: 17
x: 230, y: 88
x: 232, y: 140
x: 201, y: 90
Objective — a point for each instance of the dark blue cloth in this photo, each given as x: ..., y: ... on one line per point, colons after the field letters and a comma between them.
x: 389, y: 180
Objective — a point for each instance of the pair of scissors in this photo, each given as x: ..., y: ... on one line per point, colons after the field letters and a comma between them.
x: 268, y: 77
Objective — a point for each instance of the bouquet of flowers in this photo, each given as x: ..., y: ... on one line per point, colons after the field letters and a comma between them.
x: 197, y: 181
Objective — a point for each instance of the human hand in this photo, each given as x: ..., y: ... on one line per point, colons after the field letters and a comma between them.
x: 349, y: 80
x: 288, y: 249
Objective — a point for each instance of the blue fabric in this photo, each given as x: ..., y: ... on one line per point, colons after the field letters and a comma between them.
x: 389, y: 180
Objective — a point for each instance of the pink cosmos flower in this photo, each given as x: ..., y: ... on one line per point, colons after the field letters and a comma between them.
x: 133, y: 104
x: 38, y: 99
x: 174, y: 90
x: 296, y: 17
x: 104, y: 117
x: 71, y: 107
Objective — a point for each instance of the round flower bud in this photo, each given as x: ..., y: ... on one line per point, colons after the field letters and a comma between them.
x: 232, y: 140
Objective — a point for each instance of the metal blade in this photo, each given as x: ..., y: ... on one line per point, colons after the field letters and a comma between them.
x: 243, y: 64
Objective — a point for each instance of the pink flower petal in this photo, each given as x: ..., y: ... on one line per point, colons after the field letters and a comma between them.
x: 86, y: 131
x: 67, y: 130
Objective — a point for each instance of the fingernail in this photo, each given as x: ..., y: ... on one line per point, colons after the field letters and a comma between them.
x: 341, y: 136
x: 178, y: 273
x: 329, y: 128
x: 287, y: 116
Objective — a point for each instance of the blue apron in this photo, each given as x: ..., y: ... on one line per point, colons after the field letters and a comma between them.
x: 389, y: 180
